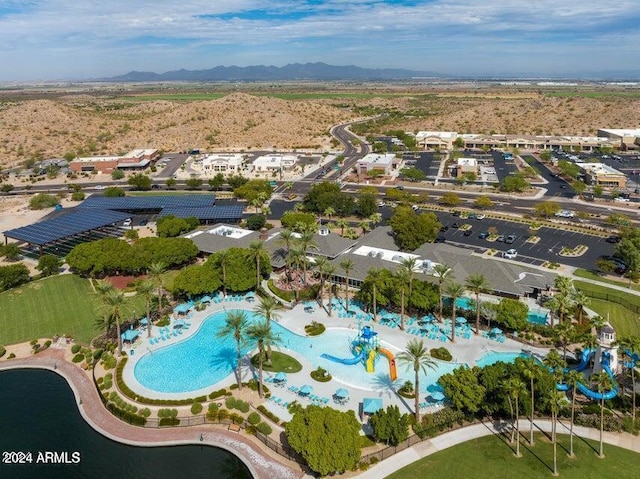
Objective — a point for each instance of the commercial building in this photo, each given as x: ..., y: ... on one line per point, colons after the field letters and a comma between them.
x: 436, y: 140
x: 466, y: 165
x: 374, y: 161
x: 137, y: 159
x: 628, y: 139
x: 599, y: 174
x: 221, y: 163
x: 271, y: 163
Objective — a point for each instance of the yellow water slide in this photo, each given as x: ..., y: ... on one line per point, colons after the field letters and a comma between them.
x: 372, y: 356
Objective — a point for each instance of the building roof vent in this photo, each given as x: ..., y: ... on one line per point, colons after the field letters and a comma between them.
x: 323, y: 231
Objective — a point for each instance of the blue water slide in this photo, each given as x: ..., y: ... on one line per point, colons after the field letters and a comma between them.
x: 584, y: 361
x: 607, y: 395
x: 634, y: 359
x: 353, y: 360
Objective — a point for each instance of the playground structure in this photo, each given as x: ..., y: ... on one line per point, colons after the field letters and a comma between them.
x: 366, y: 348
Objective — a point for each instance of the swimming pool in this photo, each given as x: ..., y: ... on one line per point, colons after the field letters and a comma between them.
x: 465, y: 303
x: 493, y: 357
x: 537, y: 317
x: 203, y: 360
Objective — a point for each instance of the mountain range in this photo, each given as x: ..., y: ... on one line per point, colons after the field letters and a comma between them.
x: 294, y: 71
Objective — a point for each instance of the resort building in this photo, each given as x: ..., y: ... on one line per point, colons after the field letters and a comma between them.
x: 221, y: 163
x: 599, y: 174
x: 436, y: 140
x: 273, y: 163
x: 381, y: 162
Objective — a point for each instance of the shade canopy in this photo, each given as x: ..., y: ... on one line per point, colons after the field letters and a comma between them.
x: 429, y: 318
x: 434, y: 388
x: 437, y: 396
x: 179, y: 324
x: 183, y: 307
x: 130, y: 334
x: 342, y: 393
x: 371, y: 405
x: 461, y: 320
x: 205, y: 299
x: 144, y: 320
x: 496, y: 331
x: 281, y: 376
x: 305, y: 390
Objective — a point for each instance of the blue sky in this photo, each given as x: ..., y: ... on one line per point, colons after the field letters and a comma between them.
x: 81, y: 39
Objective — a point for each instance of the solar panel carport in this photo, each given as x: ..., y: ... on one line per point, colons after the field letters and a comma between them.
x: 211, y: 214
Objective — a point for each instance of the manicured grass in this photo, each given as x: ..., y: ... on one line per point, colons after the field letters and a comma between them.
x: 59, y: 305
x: 584, y: 273
x: 280, y: 362
x: 623, y: 320
x: 492, y: 457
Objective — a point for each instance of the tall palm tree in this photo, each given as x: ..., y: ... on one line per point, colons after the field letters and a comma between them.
x: 235, y: 326
x: 320, y: 264
x: 409, y: 264
x: 555, y: 401
x: 329, y: 271
x: 224, y: 257
x: 590, y: 341
x: 146, y: 288
x: 532, y: 372
x: 329, y: 212
x: 581, y: 301
x: 115, y: 304
x: 256, y: 252
x: 375, y: 218
x: 342, y: 224
x: 268, y: 308
x: 286, y: 239
x: 563, y: 284
x: 297, y: 257
x: 453, y: 290
x: 440, y: 271
x: 263, y: 334
x: 634, y: 348
x: 514, y: 387
x: 306, y: 240
x: 374, y: 275
x: 403, y: 277
x: 604, y: 383
x: 365, y: 225
x: 561, y: 304
x: 103, y: 289
x: 156, y: 270
x: 477, y: 283
x: 565, y: 333
x: 573, y: 379
x: 347, y: 266
x: 416, y: 356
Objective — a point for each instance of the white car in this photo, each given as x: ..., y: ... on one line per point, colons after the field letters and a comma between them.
x: 98, y: 187
x: 127, y: 222
x: 480, y: 217
x: 620, y: 199
x: 380, y: 204
x: 510, y: 254
x: 415, y: 207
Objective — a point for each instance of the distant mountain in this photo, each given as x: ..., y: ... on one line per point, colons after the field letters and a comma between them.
x: 295, y: 71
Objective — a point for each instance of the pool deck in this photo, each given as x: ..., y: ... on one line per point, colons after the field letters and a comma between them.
x: 464, y: 351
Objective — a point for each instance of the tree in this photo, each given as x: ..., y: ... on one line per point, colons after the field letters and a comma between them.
x: 409, y: 264
x: 569, y: 169
x: 193, y: 183
x: 403, y: 277
x: 531, y: 371
x: 555, y: 401
x: 140, y: 182
x: 374, y: 275
x: 578, y: 187
x: 450, y: 199
x: 256, y: 252
x: 411, y: 229
x: 103, y: 289
x: 483, y: 202
x: 328, y: 439
x: 171, y: 183
x: 294, y: 220
x: 347, y: 266
x: 514, y: 183
x: 263, y: 334
x: 546, y: 209
x: 390, y: 426
x: 329, y: 271
x: 514, y: 387
x: 463, y: 389
x: 441, y: 271
x: 171, y: 226
x: 49, y: 264
x: 235, y: 326
x: 145, y: 289
x: 413, y: 174
x: 604, y: 383
x: 417, y: 356
x: 573, y: 378
x: 196, y: 280
x: 512, y: 313
x: 581, y: 301
x: 113, y: 192
x: 477, y: 283
x: 367, y: 204
x: 115, y: 304
x: 156, y: 271
x: 268, y: 308
x: 11, y: 251
x: 117, y: 174
x: 217, y: 181
x: 41, y: 201
x: 453, y: 290
x: 598, y: 190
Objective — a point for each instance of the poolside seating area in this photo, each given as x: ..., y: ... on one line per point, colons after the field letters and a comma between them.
x: 164, y: 334
x: 495, y: 334
x: 441, y: 332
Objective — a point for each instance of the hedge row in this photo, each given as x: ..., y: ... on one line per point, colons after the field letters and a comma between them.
x: 269, y: 414
x: 126, y: 416
x: 239, y: 404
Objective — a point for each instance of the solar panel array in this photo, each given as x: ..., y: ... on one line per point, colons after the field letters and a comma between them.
x: 70, y: 224
x: 211, y: 213
x: 149, y: 202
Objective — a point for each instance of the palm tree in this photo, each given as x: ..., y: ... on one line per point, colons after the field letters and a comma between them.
x: 556, y: 363
x: 573, y: 379
x: 297, y: 257
x: 115, y: 304
x: 146, y: 289
x: 409, y: 264
x: 563, y: 284
x: 365, y: 225
x: 555, y: 401
x: 342, y: 224
x: 581, y: 301
x: 532, y: 372
x: 156, y: 270
x: 374, y: 275
x: 286, y: 239
x: 375, y: 219
x: 103, y: 289
x: 590, y: 341
x: 634, y: 348
x: 224, y: 257
x: 263, y: 334
x: 329, y: 212
x: 604, y: 383
x: 307, y: 241
x: 477, y: 283
x: 565, y: 333
x: 514, y: 387
x: 416, y: 356
x: 268, y: 308
x: 453, y: 290
x: 329, y: 271
x: 256, y: 252
x: 403, y: 276
x: 561, y: 304
x: 440, y: 271
x: 320, y: 265
x: 347, y: 266
x: 235, y: 326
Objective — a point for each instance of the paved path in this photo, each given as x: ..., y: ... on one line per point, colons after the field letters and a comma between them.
x: 261, y: 464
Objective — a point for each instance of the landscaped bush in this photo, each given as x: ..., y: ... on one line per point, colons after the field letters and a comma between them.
x: 269, y: 414
x: 321, y: 375
x: 74, y: 349
x: 196, y: 408
x: 264, y: 428
x: 107, y: 381
x: 108, y: 360
x: 239, y: 404
x: 97, y: 354
x: 146, y: 412
x: 314, y: 329
x: 223, y: 414
x: 254, y: 418
x: 407, y: 390
x: 611, y: 423
x: 236, y: 418
x: 432, y: 424
x: 441, y: 353
x: 3, y: 351
x: 11, y: 356
x: 78, y: 358
x: 126, y: 416
x: 218, y: 394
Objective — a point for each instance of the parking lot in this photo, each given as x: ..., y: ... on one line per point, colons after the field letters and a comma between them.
x: 424, y: 161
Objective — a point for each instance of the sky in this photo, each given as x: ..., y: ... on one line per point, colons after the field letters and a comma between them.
x: 84, y: 39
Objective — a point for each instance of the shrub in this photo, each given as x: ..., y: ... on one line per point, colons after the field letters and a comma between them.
x: 196, y: 408
x: 74, y: 349
x: 3, y: 351
x: 321, y: 375
x: 223, y: 414
x: 230, y: 403
x: 264, y: 428
x: 97, y: 354
x: 441, y: 353
x: 269, y: 414
x: 146, y: 412
x: 78, y: 358
x: 236, y: 418
x: 254, y: 418
x: 77, y: 196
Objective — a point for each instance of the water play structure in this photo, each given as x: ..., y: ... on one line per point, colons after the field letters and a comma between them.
x: 366, y: 349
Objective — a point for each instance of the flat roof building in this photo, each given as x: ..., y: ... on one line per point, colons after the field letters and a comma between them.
x: 272, y: 163
x: 374, y: 161
x: 221, y: 163
x: 599, y: 174
x: 466, y: 165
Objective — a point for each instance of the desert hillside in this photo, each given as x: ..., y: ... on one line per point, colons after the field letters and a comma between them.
x: 88, y: 124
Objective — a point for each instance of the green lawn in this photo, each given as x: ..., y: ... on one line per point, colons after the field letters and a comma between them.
x: 57, y: 305
x: 492, y: 458
x: 584, y: 273
x: 280, y: 362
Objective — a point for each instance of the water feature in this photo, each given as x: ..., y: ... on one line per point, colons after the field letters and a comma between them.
x: 39, y: 414
x: 493, y: 357
x: 537, y: 317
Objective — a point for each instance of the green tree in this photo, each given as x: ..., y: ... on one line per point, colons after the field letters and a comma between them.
x: 294, y: 220
x: 515, y: 388
x: 374, y: 275
x: 196, y: 280
x: 411, y: 229
x: 390, y: 426
x: 117, y: 174
x: 171, y: 183
x: 145, y: 289
x: 450, y: 199
x: 463, y: 389
x: 256, y: 253
x: 477, y: 283
x: 41, y: 201
x: 512, y: 313
x: 115, y: 304
x: 409, y: 265
x: 11, y: 251
x: 139, y: 182
x: 413, y: 174
x: 573, y: 378
x: 569, y: 169
x: 578, y: 187
x: 113, y: 192
x: 598, y: 190
x: 262, y: 333
x: 268, y: 308
x: 514, y: 183
x: 483, y: 202
x: 603, y: 383
x: 347, y: 266
x: 531, y: 371
x: 367, y: 204
x: 416, y: 356
x: 546, y: 209
x: 156, y: 272
x: 13, y: 275
x: 103, y: 289
x: 49, y: 264
x: 235, y: 326
x: 193, y: 183
x: 453, y: 290
x: 328, y: 439
x: 328, y: 194
x: 403, y: 277
x: 441, y: 271
x: 217, y: 181
x: 555, y: 401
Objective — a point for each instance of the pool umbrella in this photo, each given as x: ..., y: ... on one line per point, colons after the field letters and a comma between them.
x: 496, y: 331
x: 371, y: 405
x: 342, y: 393
x: 130, y: 334
x: 428, y: 318
x: 305, y: 390
x: 182, y: 308
x: 205, y: 299
x: 281, y: 376
x: 461, y: 320
x: 437, y: 396
x: 179, y: 324
x: 144, y: 321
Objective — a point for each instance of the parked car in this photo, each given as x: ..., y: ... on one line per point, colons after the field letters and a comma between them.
x: 455, y: 225
x: 468, y: 232
x: 510, y: 254
x: 483, y: 235
x: 480, y: 216
x: 127, y: 222
x: 415, y: 207
x: 440, y: 239
x: 500, y: 239
x: 510, y: 239
x: 456, y: 213
x: 444, y: 228
x: 380, y: 204
x: 613, y: 239
x: 621, y: 199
